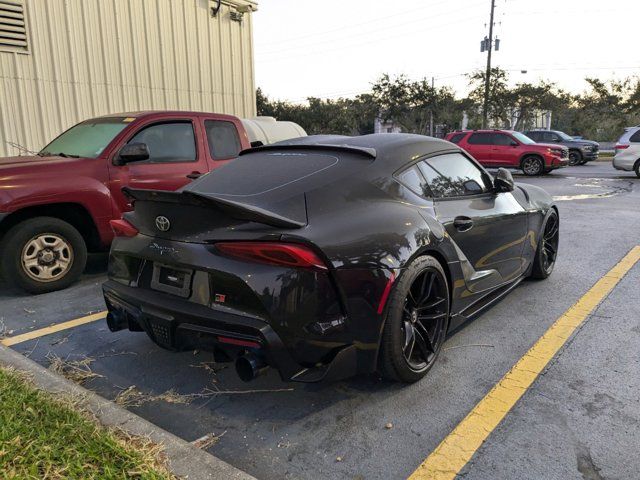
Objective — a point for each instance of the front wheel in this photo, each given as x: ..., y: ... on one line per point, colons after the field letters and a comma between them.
x: 417, y: 317
x: 532, y: 166
x: 547, y: 251
x: 575, y: 158
x: 43, y: 254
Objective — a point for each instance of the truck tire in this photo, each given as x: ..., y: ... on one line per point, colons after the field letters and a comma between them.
x: 43, y: 254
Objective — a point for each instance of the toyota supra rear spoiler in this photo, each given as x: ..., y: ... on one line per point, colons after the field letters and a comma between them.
x: 369, y: 152
x: 238, y: 210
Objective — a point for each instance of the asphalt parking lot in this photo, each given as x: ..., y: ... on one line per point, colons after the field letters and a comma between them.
x: 579, y: 419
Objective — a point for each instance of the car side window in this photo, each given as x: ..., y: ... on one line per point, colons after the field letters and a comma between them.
x: 480, y: 139
x: 457, y: 137
x: 168, y: 142
x: 535, y: 136
x: 223, y: 139
x: 550, y: 137
x: 412, y: 179
x: 635, y: 138
x: 502, y: 139
x: 453, y: 175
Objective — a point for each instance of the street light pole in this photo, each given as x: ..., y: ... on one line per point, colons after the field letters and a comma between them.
x: 487, y: 79
x: 433, y: 101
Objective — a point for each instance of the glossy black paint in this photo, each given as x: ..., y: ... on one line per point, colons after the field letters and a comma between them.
x: 364, y: 224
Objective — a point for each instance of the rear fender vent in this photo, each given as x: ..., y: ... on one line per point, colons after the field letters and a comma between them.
x: 13, y: 27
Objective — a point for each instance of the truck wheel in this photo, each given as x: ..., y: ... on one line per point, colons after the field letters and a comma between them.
x: 532, y: 166
x: 575, y: 158
x: 43, y: 254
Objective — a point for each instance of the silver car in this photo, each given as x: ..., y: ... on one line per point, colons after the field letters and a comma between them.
x: 627, y: 156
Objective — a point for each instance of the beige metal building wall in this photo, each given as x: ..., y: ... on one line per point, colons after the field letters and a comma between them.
x: 62, y: 61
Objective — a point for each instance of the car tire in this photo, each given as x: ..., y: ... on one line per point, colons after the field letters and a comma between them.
x: 575, y: 158
x: 637, y: 169
x: 43, y: 254
x: 547, y: 249
x: 532, y: 166
x: 416, y: 321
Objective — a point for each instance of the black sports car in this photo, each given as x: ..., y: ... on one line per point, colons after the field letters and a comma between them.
x: 325, y: 257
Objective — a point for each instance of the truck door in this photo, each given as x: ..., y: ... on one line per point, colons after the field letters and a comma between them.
x: 174, y: 160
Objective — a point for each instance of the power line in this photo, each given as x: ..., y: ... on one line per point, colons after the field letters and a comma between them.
x: 288, y: 56
x: 351, y: 25
x: 382, y: 33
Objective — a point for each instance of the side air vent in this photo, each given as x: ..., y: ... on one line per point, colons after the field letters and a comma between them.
x: 13, y: 29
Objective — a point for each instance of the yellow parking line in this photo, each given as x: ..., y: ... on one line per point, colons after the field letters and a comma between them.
x: 8, y: 342
x: 453, y: 453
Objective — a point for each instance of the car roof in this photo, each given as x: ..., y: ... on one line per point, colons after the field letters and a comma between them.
x: 161, y: 113
x: 394, y: 149
x: 628, y: 133
x: 485, y: 130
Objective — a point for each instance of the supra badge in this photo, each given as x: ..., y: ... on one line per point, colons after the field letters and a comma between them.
x: 163, y: 224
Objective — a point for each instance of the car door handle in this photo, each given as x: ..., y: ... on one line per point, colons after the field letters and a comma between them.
x: 194, y: 175
x: 463, y: 224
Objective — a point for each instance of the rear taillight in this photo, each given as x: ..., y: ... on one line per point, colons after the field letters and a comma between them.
x: 122, y: 228
x: 622, y: 147
x: 283, y: 254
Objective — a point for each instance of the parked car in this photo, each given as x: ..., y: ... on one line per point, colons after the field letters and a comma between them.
x: 346, y: 255
x: 627, y: 151
x: 56, y: 205
x: 509, y: 149
x: 580, y: 151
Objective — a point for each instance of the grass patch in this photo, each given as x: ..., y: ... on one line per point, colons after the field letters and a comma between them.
x: 45, y: 437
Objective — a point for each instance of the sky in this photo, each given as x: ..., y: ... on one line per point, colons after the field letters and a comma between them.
x: 338, y: 48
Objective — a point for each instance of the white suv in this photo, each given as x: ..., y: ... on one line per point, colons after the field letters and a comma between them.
x: 627, y: 155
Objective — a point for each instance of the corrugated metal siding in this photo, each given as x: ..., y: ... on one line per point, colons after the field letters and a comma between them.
x: 93, y: 57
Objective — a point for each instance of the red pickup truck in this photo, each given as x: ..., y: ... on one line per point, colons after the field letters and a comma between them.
x: 56, y: 206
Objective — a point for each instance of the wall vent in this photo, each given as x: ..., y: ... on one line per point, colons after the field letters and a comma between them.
x: 13, y: 28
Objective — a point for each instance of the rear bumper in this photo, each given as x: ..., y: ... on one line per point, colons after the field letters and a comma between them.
x: 621, y: 162
x: 178, y: 325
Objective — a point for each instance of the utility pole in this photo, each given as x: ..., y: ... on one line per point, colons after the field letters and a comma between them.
x: 487, y: 79
x: 433, y: 92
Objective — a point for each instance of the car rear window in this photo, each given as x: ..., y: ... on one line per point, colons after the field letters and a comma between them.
x: 276, y: 173
x: 457, y: 137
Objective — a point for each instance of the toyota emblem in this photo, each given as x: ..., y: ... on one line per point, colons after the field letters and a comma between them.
x: 163, y: 224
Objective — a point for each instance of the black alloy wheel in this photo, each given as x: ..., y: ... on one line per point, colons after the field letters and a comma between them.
x: 547, y: 253
x: 575, y: 158
x: 532, y: 166
x: 416, y: 323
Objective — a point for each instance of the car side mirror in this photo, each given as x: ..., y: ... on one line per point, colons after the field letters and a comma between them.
x: 133, y: 152
x: 503, y: 182
x: 514, y: 143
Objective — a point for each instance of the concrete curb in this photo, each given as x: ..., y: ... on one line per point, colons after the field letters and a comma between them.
x: 185, y: 460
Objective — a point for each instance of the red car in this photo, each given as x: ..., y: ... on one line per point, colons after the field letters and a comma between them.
x: 509, y: 149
